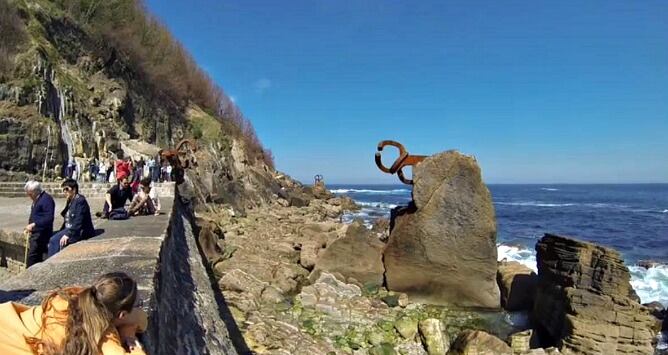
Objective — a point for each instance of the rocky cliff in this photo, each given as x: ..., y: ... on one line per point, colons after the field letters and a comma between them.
x: 68, y: 92
x: 584, y: 301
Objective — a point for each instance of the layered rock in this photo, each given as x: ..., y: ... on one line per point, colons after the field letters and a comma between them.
x: 584, y: 301
x: 442, y: 249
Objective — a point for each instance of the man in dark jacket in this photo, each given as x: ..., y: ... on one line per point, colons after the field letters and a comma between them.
x: 40, y: 223
x: 78, y: 223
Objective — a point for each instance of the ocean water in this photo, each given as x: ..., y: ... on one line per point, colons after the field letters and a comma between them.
x: 632, y: 219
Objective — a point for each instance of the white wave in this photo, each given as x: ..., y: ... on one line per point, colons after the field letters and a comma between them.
x: 524, y: 256
x: 376, y: 204
x: 535, y: 204
x: 605, y: 205
x: 664, y: 211
x: 367, y: 191
x: 548, y: 189
x: 650, y: 284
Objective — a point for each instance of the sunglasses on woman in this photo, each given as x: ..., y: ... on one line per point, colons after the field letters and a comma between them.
x: 66, y: 189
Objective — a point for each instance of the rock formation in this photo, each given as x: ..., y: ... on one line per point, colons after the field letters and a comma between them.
x: 517, y: 284
x: 357, y: 257
x: 442, y: 249
x: 477, y: 342
x: 584, y: 302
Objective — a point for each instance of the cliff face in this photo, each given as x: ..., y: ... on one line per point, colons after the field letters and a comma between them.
x: 67, y: 94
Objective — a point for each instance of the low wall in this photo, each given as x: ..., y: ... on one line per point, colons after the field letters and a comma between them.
x: 187, y: 315
x: 185, y: 309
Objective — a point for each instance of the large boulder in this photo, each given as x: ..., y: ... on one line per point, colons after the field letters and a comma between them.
x: 477, y: 342
x: 442, y: 247
x: 584, y: 300
x: 357, y: 256
x: 517, y: 284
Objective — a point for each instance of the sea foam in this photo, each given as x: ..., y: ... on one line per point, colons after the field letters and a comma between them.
x: 368, y: 191
x: 535, y: 204
x: 650, y: 284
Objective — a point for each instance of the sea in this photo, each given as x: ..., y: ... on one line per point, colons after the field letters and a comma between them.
x: 631, y: 218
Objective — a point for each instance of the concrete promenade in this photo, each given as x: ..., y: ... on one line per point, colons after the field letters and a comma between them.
x: 131, y: 246
x: 187, y: 313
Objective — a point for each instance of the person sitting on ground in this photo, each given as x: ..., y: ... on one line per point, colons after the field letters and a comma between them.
x: 40, y: 223
x: 99, y: 319
x: 78, y: 224
x: 116, y: 196
x: 146, y: 201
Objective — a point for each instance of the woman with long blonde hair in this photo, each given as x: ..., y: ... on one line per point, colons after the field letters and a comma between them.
x: 95, y: 320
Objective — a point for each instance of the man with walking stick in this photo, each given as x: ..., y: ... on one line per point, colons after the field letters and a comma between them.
x: 40, y: 224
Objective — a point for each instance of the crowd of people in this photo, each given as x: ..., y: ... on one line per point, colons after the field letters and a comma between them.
x: 77, y: 218
x: 103, y: 170
x: 103, y: 318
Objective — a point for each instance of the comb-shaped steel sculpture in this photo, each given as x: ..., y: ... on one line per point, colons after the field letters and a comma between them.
x: 402, y: 161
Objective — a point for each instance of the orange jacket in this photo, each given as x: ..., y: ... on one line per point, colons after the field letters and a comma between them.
x: 18, y: 321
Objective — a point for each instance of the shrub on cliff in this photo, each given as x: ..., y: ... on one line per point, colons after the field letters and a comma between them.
x: 13, y: 34
x: 161, y: 61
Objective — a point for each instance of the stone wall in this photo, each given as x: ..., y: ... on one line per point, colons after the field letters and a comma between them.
x: 187, y: 314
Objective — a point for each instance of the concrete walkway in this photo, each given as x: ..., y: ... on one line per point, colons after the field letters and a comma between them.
x: 131, y: 246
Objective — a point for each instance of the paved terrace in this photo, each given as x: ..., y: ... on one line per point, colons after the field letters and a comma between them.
x: 187, y: 314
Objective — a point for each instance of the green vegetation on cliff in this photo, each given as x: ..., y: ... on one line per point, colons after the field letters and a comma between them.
x: 110, y: 71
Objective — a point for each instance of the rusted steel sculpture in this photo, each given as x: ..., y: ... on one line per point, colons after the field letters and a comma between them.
x: 402, y: 161
x: 183, y: 156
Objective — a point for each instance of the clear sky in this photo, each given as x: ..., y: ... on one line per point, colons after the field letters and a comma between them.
x: 537, y: 91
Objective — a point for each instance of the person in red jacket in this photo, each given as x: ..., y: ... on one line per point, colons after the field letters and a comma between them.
x: 123, y: 168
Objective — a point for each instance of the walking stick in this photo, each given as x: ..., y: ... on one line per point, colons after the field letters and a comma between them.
x: 25, y: 257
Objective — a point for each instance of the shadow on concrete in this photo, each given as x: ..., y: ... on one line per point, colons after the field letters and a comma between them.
x: 98, y: 232
x: 14, y: 295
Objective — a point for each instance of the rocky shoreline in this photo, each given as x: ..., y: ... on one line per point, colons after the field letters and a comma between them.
x: 299, y: 281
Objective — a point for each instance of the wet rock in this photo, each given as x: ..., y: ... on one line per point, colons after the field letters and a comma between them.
x: 433, y: 336
x: 266, y: 335
x: 407, y: 327
x: 521, y: 342
x: 348, y: 204
x: 476, y: 342
x: 309, y: 253
x: 299, y: 200
x: 442, y: 248
x: 272, y: 294
x: 320, y: 191
x: 517, y: 284
x: 584, y: 300
x: 357, y: 255
x: 411, y: 348
x: 403, y: 300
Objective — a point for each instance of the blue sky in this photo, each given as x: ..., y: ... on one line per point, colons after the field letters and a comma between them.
x: 537, y: 91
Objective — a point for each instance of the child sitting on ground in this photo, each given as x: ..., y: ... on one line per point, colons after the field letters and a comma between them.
x: 146, y: 201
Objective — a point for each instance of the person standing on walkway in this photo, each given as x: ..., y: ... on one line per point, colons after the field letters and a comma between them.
x: 40, y: 223
x: 78, y: 223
